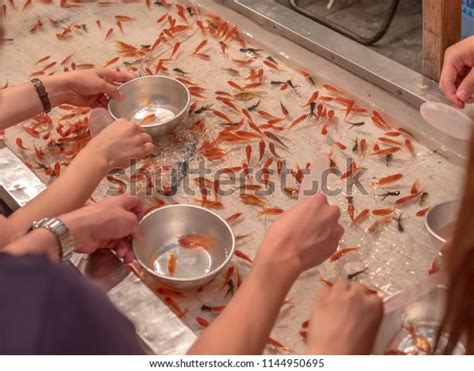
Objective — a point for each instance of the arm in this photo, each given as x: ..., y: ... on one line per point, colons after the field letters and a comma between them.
x: 245, y: 324
x: 79, y: 88
x: 70, y: 191
x: 21, y: 102
x: 106, y: 223
x: 302, y: 238
x: 114, y: 147
x: 38, y: 242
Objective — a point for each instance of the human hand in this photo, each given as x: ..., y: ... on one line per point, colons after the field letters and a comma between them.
x: 107, y: 224
x: 90, y: 88
x: 457, y: 76
x: 345, y: 320
x: 303, y: 237
x: 119, y: 143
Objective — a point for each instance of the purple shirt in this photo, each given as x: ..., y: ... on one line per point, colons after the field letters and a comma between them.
x: 50, y: 308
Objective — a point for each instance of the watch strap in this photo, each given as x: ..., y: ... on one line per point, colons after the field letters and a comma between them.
x: 61, y: 232
x: 42, y: 94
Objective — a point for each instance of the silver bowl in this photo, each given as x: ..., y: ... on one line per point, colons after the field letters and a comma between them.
x: 423, y: 306
x: 439, y: 219
x: 194, y: 267
x: 166, y: 98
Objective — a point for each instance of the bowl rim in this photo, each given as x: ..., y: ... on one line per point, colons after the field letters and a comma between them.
x: 183, y: 111
x: 187, y: 280
x: 427, y: 224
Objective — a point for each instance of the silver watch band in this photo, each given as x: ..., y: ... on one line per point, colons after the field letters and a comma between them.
x: 61, y: 232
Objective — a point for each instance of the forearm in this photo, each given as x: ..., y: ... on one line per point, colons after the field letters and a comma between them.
x: 67, y: 193
x: 39, y: 241
x: 21, y: 102
x: 244, y: 326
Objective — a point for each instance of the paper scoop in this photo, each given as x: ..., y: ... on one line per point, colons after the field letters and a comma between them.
x: 448, y: 120
x: 312, y: 181
x: 99, y: 119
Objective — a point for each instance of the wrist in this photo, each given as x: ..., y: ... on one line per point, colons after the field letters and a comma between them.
x: 51, y: 246
x: 276, y: 273
x: 284, y: 266
x: 56, y: 86
x: 78, y: 227
x: 94, y: 157
x: 39, y: 241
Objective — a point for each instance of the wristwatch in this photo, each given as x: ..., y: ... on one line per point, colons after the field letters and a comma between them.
x: 60, y: 231
x: 42, y: 94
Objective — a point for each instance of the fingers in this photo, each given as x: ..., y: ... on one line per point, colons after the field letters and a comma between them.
x: 321, y: 201
x: 376, y: 304
x: 145, y: 144
x: 124, y: 252
x: 148, y: 149
x: 114, y: 76
x: 130, y: 226
x: 456, y: 79
x: 355, y: 289
x: 447, y: 82
x: 319, y: 198
x: 466, y: 88
x: 137, y: 233
x: 145, y: 137
x: 138, y: 211
x: 121, y: 249
x: 340, y: 287
x: 358, y: 289
x: 338, y: 232
x: 129, y: 257
x: 100, y: 101
x: 128, y: 202
x: 334, y: 212
x: 109, y: 77
x: 111, y: 90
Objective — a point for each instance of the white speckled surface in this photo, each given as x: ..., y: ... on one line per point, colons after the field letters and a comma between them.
x: 393, y: 259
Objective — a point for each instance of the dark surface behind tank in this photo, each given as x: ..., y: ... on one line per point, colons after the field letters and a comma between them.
x: 403, y: 40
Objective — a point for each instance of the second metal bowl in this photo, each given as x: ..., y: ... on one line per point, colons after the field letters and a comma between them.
x: 440, y: 221
x: 421, y: 307
x: 195, y: 267
x: 166, y: 98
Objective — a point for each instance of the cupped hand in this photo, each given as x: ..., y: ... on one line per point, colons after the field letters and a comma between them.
x: 108, y: 224
x: 345, y: 320
x: 457, y: 76
x: 120, y: 143
x: 303, y: 237
x: 93, y: 87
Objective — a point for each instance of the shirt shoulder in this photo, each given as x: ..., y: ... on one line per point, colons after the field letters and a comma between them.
x: 59, y: 312
x: 81, y: 319
x: 24, y: 282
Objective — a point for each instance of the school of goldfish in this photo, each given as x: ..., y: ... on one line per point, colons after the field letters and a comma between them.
x: 249, y: 108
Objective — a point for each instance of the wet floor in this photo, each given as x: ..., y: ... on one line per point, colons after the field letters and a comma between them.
x: 403, y: 40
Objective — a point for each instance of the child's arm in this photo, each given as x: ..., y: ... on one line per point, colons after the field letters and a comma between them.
x: 114, y: 147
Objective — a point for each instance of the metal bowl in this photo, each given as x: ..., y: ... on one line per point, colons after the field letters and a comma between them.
x: 439, y: 218
x: 166, y: 98
x: 195, y: 267
x: 423, y: 306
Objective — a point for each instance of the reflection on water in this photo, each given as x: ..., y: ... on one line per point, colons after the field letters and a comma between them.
x: 190, y: 263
